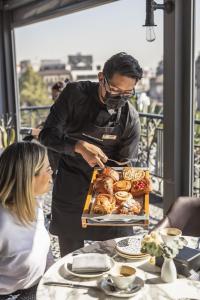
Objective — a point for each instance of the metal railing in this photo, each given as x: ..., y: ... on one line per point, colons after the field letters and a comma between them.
x: 150, y: 146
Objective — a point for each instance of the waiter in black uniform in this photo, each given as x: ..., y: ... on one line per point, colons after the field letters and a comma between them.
x: 89, y: 123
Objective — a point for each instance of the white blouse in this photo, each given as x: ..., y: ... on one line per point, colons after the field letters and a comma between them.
x: 23, y: 251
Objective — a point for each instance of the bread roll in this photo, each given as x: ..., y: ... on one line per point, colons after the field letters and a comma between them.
x: 122, y: 185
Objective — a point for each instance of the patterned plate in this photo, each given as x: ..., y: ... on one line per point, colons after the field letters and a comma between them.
x: 130, y: 246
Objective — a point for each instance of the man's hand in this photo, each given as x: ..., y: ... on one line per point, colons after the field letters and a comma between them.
x: 91, y: 153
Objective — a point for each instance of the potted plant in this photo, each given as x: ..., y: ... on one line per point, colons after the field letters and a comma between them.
x: 154, y: 245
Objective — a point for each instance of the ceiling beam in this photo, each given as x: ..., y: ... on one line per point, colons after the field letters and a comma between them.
x: 10, y: 4
x: 46, y: 9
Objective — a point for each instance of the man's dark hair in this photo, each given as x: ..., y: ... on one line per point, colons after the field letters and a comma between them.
x: 58, y: 86
x: 124, y: 64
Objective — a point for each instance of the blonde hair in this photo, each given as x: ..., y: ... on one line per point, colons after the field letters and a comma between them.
x: 19, y: 163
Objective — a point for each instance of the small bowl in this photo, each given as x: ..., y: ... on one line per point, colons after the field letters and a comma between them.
x: 123, y: 276
x: 170, y: 234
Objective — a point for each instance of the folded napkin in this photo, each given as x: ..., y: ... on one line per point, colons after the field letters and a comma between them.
x: 91, y: 262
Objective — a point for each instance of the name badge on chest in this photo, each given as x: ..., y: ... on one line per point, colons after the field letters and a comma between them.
x: 109, y: 137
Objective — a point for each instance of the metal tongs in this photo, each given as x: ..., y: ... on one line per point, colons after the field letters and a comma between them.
x: 121, y: 163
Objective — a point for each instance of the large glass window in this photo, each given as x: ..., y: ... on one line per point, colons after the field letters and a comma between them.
x: 196, y: 185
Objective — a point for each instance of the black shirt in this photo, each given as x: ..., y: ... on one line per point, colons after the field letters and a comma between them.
x: 79, y: 103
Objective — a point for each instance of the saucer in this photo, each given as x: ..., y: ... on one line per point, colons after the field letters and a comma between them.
x: 138, y: 282
x: 68, y: 268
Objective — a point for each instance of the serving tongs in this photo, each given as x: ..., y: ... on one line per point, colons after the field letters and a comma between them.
x: 121, y: 163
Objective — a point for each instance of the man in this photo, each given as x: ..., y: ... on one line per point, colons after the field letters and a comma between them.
x: 89, y: 123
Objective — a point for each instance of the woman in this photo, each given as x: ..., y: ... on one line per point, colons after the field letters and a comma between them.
x: 24, y: 241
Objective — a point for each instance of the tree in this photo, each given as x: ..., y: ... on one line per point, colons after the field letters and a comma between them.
x: 33, y: 91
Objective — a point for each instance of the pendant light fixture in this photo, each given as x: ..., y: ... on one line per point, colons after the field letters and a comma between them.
x: 151, y: 6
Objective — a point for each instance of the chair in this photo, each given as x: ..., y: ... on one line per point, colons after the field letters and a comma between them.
x: 183, y: 214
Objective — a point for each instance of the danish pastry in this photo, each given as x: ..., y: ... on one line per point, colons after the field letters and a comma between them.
x: 130, y: 173
x: 122, y: 196
x: 104, y: 204
x: 111, y: 173
x: 122, y: 185
x: 140, y: 187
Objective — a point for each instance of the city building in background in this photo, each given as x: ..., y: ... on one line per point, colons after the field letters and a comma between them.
x: 52, y: 71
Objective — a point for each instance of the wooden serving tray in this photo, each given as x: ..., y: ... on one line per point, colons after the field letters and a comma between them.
x: 91, y: 219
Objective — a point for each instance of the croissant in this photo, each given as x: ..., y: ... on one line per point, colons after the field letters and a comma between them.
x: 140, y: 187
x: 122, y: 185
x: 111, y: 173
x: 103, y: 185
x: 104, y: 204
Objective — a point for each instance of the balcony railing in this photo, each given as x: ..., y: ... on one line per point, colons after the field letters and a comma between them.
x: 150, y: 147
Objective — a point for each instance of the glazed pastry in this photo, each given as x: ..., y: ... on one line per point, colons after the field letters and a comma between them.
x: 111, y: 173
x: 104, y: 204
x: 140, y: 187
x: 122, y: 185
x: 130, y: 207
x: 103, y: 185
x: 122, y: 196
x: 130, y: 173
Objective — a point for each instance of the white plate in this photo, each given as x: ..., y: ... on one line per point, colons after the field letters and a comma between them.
x: 68, y: 268
x: 130, y: 245
x: 122, y: 293
x: 142, y: 259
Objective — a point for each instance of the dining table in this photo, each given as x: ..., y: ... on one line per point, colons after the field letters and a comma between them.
x: 89, y: 288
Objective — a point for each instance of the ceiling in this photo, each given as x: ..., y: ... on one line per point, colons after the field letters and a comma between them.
x: 25, y: 12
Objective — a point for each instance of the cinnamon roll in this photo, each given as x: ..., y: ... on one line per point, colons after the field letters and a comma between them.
x: 122, y: 185
x: 122, y: 196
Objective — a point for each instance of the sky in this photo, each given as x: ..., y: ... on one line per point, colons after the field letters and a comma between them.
x: 101, y: 31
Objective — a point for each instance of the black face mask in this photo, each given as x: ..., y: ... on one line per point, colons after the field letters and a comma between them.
x: 115, y: 102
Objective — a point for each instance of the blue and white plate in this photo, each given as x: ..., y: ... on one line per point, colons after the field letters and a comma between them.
x: 131, y: 246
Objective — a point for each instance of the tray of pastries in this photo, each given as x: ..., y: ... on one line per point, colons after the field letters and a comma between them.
x: 118, y: 197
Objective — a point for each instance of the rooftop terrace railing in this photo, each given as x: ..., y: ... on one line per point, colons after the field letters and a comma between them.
x: 150, y: 146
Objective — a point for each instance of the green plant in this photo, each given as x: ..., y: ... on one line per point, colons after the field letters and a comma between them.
x: 153, y: 245
x: 7, y: 133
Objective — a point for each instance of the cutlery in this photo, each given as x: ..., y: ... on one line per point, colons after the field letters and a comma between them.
x: 120, y: 163
x: 71, y: 285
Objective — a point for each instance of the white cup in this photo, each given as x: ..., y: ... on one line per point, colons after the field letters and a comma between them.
x: 123, y: 276
x: 170, y: 234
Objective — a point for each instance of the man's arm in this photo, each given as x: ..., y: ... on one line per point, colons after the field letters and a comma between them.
x: 52, y: 134
x: 54, y: 137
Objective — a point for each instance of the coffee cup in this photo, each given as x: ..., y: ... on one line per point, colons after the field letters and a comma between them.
x: 170, y: 234
x: 122, y: 276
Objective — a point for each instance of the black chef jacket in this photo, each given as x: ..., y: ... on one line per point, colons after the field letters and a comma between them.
x: 77, y: 109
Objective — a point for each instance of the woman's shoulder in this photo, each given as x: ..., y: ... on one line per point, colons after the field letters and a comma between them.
x: 12, y: 231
